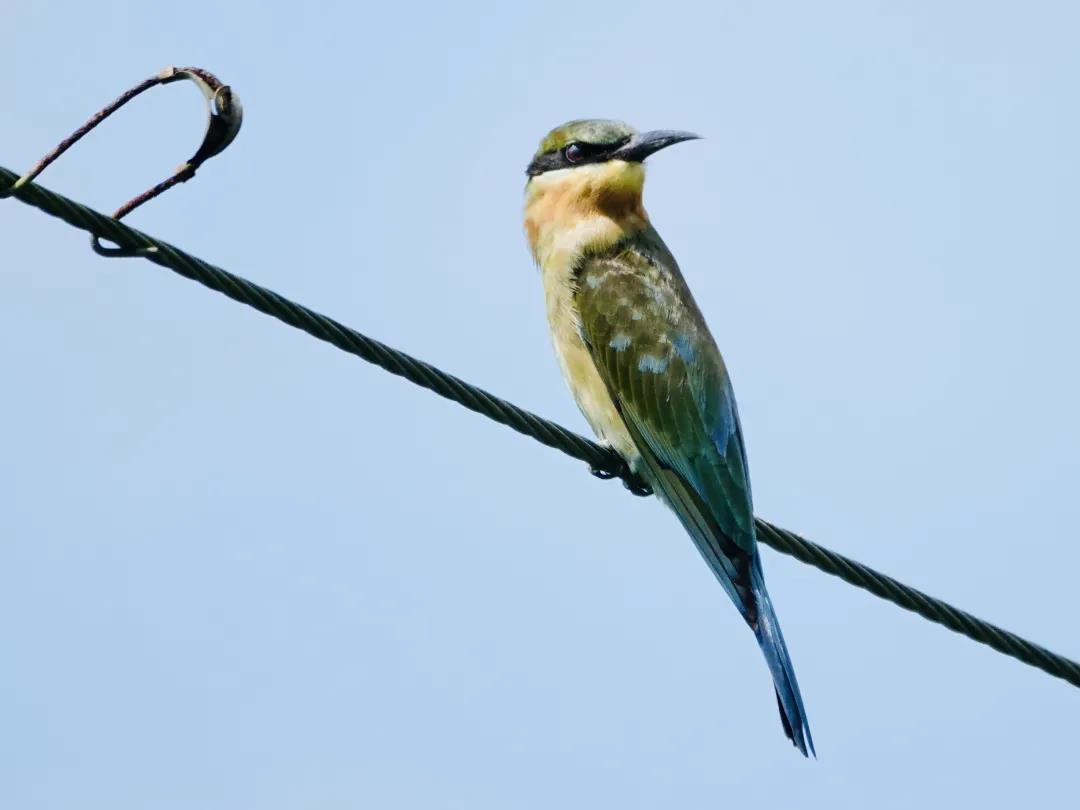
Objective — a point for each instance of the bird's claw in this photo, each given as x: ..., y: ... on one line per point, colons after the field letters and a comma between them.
x: 601, y: 473
x: 634, y: 484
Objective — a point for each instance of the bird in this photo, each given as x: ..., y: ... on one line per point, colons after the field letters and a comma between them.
x: 642, y: 365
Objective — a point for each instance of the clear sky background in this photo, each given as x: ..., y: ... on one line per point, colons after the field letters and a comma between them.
x: 239, y: 568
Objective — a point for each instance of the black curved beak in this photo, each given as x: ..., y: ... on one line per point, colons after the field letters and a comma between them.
x: 643, y: 144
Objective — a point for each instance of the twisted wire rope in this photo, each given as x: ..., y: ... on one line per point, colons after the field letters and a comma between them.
x: 599, y: 458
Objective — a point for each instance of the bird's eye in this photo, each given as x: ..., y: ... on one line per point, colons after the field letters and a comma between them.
x: 574, y: 153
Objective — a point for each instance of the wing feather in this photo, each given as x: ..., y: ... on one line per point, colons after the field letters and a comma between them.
x: 651, y: 347
x: 663, y: 371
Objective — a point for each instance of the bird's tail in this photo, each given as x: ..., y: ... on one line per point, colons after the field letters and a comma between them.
x: 771, y: 640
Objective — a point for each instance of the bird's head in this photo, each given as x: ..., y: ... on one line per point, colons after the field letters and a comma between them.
x: 589, y: 170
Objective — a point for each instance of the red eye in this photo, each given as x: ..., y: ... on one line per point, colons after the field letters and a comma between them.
x: 574, y: 153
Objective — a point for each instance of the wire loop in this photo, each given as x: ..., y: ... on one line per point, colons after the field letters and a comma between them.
x: 225, y: 117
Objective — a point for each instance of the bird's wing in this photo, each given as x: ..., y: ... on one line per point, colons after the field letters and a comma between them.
x: 651, y: 347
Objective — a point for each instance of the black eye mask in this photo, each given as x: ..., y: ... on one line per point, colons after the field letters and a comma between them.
x: 574, y: 154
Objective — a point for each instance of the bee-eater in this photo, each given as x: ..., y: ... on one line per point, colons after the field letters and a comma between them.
x: 640, y: 361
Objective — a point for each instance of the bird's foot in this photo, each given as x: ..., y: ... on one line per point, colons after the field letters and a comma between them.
x: 637, y: 486
x: 630, y: 479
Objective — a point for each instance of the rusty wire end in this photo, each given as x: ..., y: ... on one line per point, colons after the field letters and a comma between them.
x: 225, y: 117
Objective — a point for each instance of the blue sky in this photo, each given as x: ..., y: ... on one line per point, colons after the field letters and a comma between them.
x: 241, y: 569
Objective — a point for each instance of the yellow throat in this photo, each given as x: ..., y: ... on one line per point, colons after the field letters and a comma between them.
x: 591, y: 206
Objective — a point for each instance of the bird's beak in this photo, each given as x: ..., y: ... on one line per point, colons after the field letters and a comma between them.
x: 643, y: 144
